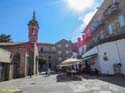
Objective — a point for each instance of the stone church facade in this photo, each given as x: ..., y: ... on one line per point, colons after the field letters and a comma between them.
x: 25, y: 57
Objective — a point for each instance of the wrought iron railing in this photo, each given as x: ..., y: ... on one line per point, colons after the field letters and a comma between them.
x: 110, y: 38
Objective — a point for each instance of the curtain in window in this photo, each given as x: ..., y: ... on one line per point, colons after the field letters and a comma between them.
x: 110, y: 29
x: 121, y: 20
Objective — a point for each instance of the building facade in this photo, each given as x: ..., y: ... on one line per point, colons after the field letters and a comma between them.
x: 47, y: 54
x: 54, y: 54
x: 29, y: 58
x: 64, y: 50
x: 107, y: 29
x: 24, y: 55
x: 5, y: 64
x: 108, y: 23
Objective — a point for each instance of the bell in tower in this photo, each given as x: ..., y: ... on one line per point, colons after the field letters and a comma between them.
x: 33, y: 29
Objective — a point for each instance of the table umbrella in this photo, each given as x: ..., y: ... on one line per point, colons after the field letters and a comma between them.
x: 70, y: 62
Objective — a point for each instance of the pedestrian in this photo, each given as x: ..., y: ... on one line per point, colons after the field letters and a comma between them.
x: 48, y: 71
x: 96, y: 70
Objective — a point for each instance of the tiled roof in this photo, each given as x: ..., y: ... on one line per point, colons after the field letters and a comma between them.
x: 4, y: 44
x: 12, y: 43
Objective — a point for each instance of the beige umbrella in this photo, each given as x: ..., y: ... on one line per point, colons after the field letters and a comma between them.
x: 70, y: 62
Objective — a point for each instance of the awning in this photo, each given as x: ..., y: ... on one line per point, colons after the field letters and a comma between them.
x: 89, y: 57
x: 90, y: 52
x: 70, y: 62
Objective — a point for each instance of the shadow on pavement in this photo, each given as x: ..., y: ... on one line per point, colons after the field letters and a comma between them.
x: 68, y: 78
x: 117, y: 80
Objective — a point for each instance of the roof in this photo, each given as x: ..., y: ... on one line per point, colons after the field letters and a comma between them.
x: 49, y: 44
x: 12, y: 43
x: 4, y: 56
x: 62, y: 40
x: 6, y: 44
x: 33, y: 21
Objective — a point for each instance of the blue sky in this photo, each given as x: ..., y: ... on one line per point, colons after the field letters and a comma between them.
x: 57, y: 19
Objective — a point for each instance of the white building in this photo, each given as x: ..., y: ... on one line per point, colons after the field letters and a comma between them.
x: 110, y: 57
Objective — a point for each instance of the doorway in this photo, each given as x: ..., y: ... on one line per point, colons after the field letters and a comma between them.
x: 42, y: 64
x: 117, y: 68
x: 16, y: 65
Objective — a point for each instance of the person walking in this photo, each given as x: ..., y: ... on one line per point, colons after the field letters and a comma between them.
x: 48, y: 71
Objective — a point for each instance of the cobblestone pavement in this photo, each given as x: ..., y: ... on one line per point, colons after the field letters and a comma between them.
x: 42, y: 84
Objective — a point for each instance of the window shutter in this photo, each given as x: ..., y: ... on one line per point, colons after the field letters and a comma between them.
x: 121, y: 20
x: 110, y: 29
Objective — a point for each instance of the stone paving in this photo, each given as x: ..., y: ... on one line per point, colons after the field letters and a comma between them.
x: 43, y: 84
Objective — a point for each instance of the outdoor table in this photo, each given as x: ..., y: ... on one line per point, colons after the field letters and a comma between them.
x: 73, y: 72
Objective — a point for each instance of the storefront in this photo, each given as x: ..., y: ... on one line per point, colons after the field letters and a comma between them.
x: 4, y: 71
x: 4, y: 64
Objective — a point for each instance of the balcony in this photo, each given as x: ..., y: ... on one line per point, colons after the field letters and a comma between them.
x: 97, y: 24
x: 110, y: 38
x: 113, y: 8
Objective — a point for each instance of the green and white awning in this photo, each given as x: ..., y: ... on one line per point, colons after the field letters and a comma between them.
x: 89, y: 57
x: 90, y: 54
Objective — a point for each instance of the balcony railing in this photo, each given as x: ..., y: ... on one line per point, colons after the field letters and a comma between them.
x: 111, y: 9
x: 110, y: 38
x: 95, y: 25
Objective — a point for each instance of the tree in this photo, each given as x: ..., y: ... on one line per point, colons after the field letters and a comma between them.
x: 5, y: 38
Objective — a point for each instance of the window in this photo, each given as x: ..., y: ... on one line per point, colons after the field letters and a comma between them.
x: 102, y: 34
x: 67, y: 45
x: 67, y: 52
x: 121, y: 20
x: 94, y: 39
x: 59, y: 46
x: 59, y: 52
x: 100, y: 20
x: 114, y: 1
x: 97, y: 38
x: 53, y: 48
x: 41, y: 49
x: 46, y: 49
x: 110, y: 29
x: 59, y: 58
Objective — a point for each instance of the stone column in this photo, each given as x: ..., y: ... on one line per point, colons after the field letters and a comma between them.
x: 25, y: 64
x: 10, y: 71
x: 35, y: 58
x: 34, y: 65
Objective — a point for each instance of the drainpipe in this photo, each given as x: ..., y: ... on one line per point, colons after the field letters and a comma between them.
x: 118, y: 51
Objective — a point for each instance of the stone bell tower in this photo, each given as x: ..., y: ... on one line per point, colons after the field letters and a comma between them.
x: 33, y: 29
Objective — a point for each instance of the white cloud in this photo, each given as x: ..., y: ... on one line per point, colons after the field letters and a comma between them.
x: 76, y: 33
x: 83, y: 5
x: 79, y: 5
x: 87, y: 18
